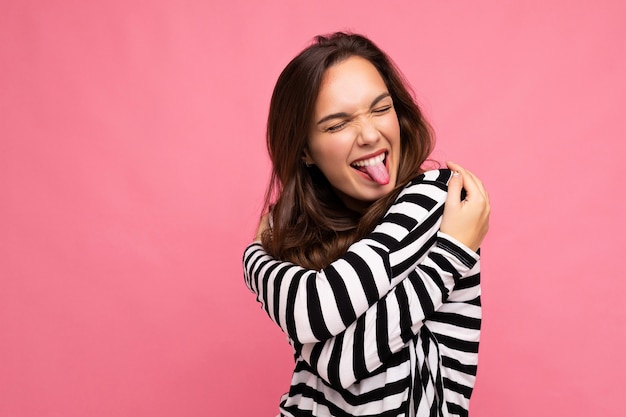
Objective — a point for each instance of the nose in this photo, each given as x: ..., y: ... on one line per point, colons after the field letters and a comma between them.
x: 368, y: 133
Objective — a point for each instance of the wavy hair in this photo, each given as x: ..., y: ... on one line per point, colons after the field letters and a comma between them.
x: 311, y: 226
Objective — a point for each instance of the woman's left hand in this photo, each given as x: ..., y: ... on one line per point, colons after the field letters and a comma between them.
x: 466, y: 220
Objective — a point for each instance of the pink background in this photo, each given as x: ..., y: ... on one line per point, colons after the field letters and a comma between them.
x: 132, y: 170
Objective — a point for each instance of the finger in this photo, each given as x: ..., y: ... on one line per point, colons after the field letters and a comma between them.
x: 477, y: 180
x: 454, y: 166
x: 263, y: 225
x: 468, y: 176
x: 455, y: 186
x: 473, y: 184
x: 466, y: 185
x: 479, y: 184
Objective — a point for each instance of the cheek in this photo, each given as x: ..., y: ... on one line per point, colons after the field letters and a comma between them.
x: 389, y: 126
x: 393, y: 127
x: 331, y: 150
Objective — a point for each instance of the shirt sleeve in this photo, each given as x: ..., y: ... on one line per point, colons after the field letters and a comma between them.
x: 456, y: 326
x: 313, y: 306
x: 389, y: 324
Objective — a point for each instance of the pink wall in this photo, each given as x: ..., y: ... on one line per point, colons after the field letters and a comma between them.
x: 132, y: 170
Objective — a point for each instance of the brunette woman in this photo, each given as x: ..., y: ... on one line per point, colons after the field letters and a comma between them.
x: 369, y: 264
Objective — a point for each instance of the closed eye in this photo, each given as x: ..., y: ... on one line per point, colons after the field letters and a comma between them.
x: 336, y: 127
x: 381, y: 110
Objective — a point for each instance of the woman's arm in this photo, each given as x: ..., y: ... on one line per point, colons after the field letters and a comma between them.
x: 312, y: 306
x: 456, y: 326
x: 388, y: 325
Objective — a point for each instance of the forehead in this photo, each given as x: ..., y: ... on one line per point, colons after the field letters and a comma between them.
x: 351, y: 82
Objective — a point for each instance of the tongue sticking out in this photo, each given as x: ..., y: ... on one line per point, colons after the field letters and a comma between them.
x: 378, y: 173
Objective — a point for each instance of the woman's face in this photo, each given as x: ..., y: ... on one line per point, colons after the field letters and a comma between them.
x: 355, y: 135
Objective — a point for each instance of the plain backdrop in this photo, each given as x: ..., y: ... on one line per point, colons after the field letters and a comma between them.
x: 133, y: 167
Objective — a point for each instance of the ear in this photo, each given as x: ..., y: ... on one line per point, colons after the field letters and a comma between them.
x: 306, y: 157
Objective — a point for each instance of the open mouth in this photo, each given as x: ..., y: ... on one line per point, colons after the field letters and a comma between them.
x: 360, y: 165
x: 374, y: 168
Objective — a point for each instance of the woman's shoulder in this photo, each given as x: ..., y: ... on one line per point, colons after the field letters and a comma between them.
x: 436, y: 177
x: 428, y: 188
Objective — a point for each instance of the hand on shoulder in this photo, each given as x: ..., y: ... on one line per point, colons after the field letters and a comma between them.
x: 263, y: 226
x: 467, y: 220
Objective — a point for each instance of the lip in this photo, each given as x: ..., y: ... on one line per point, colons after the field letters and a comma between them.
x: 371, y: 155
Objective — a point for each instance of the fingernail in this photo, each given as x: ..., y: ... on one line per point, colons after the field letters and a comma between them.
x: 456, y: 173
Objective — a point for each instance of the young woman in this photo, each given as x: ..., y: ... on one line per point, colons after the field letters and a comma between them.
x: 368, y: 264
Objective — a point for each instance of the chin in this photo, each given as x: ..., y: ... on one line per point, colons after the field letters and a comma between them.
x: 386, y: 189
x: 361, y: 199
x: 367, y: 200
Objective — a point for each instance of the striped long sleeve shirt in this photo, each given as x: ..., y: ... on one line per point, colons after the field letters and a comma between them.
x: 392, y: 327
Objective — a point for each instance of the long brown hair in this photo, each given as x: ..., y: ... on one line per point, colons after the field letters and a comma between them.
x: 310, y: 225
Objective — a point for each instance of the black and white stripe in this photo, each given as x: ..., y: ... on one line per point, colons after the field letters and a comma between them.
x: 392, y: 327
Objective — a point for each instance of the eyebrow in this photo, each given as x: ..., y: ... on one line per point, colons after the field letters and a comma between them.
x: 343, y: 114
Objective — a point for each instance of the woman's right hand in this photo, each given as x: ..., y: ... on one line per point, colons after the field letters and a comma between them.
x: 466, y: 220
x: 263, y: 226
